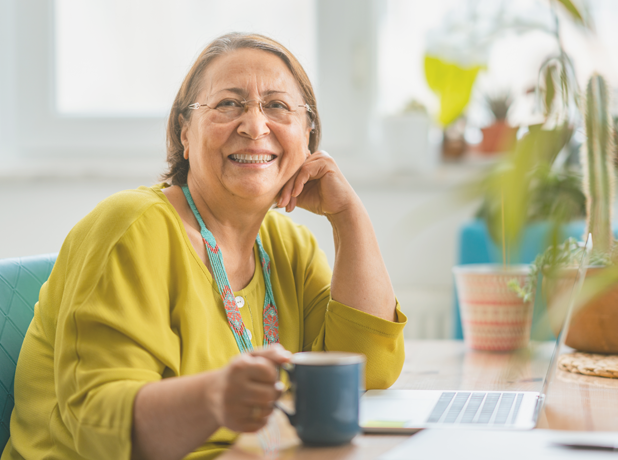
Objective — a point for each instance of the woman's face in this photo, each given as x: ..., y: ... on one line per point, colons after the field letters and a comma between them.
x: 251, y: 156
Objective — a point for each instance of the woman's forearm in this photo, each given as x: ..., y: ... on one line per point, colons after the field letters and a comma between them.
x: 173, y: 417
x: 360, y: 279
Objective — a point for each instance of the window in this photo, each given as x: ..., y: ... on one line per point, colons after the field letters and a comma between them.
x: 513, y: 61
x: 87, y: 85
x: 128, y: 57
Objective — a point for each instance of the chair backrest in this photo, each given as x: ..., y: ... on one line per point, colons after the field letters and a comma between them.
x: 20, y: 282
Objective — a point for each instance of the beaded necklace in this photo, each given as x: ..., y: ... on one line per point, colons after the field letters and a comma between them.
x: 270, y: 316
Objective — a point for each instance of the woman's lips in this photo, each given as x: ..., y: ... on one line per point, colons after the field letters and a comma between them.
x: 246, y: 158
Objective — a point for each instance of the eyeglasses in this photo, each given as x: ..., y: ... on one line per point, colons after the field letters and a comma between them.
x: 230, y: 109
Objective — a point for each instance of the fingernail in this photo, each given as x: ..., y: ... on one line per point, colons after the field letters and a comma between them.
x: 279, y: 386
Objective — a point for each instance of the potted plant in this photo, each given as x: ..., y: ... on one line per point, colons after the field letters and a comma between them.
x: 527, y: 202
x: 499, y: 136
x: 519, y: 183
x: 595, y: 321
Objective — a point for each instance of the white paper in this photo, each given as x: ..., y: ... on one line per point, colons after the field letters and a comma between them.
x: 502, y: 445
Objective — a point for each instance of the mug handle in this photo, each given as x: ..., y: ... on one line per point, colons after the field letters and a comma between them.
x: 288, y: 368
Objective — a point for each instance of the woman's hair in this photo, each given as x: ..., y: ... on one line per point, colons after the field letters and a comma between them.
x: 178, y: 167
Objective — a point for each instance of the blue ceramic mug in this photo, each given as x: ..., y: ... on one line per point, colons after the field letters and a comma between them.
x: 327, y: 387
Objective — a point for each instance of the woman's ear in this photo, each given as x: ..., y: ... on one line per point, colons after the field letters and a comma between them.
x: 184, y: 138
x: 308, y: 136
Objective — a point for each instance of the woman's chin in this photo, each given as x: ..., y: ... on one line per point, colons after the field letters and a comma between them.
x: 260, y: 194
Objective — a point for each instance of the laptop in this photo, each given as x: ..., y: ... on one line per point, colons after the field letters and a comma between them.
x: 407, y: 411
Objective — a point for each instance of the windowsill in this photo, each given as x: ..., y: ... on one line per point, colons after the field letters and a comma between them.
x: 80, y: 168
x: 443, y: 176
x: 359, y: 174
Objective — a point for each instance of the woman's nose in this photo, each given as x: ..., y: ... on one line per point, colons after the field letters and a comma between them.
x: 253, y: 122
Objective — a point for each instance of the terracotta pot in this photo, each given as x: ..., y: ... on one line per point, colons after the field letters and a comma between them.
x: 494, y: 317
x: 453, y: 142
x: 498, y: 137
x: 594, y: 326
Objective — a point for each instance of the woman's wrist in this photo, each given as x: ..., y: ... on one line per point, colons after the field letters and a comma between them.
x: 353, y: 213
x: 172, y: 417
x: 212, y: 384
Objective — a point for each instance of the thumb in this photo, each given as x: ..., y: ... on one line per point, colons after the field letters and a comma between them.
x: 275, y: 353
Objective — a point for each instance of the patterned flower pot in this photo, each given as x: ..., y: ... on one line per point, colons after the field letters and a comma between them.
x: 494, y: 317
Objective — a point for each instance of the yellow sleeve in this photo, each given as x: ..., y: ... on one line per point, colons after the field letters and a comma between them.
x: 114, y: 336
x: 330, y: 325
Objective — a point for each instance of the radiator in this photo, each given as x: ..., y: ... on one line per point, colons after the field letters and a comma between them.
x: 429, y: 311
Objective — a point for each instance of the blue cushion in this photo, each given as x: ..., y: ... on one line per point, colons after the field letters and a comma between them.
x: 20, y: 282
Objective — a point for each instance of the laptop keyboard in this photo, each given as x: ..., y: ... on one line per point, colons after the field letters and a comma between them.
x: 476, y: 407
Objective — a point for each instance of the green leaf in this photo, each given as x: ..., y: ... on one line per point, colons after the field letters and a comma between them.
x: 572, y: 9
x: 550, y: 90
x: 511, y: 190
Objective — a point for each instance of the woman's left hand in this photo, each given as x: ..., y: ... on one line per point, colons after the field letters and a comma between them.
x: 319, y: 187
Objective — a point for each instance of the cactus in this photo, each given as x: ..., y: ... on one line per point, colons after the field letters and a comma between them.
x: 596, y: 157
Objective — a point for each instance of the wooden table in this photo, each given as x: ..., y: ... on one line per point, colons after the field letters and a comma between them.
x: 574, y: 402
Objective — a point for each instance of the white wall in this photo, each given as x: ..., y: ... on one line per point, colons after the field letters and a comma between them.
x: 53, y: 169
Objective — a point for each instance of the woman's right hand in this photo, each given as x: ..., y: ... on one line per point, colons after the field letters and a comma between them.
x: 248, y: 388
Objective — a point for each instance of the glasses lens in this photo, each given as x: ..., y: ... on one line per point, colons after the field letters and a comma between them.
x: 223, y: 114
x: 278, y: 115
x: 230, y: 109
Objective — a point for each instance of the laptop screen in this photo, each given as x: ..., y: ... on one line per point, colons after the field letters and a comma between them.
x: 570, y: 305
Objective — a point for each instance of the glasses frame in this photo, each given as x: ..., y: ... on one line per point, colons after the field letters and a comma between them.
x: 245, y: 107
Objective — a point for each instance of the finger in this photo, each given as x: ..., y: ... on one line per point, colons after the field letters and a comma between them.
x: 275, y: 352
x: 311, y: 171
x: 291, y: 205
x: 262, y: 370
x: 252, y: 426
x: 257, y: 414
x: 246, y: 421
x: 259, y: 394
x: 286, y: 192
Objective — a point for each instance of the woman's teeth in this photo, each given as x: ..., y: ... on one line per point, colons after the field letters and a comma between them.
x: 252, y: 158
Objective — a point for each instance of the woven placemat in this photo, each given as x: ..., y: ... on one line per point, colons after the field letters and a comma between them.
x: 588, y: 380
x: 590, y: 364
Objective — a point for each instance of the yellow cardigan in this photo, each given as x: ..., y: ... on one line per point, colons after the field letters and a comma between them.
x: 130, y: 302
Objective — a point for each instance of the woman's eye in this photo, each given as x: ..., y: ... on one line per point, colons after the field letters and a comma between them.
x: 277, y: 105
x: 229, y: 103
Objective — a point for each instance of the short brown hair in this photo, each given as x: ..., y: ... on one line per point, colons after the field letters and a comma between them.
x: 178, y: 166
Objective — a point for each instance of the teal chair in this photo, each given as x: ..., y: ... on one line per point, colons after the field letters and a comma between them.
x: 20, y: 282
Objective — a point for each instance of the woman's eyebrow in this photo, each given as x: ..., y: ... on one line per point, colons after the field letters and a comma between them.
x: 239, y: 91
x: 270, y: 92
x: 243, y: 92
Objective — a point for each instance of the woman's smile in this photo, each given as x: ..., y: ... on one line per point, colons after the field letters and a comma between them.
x: 253, y: 159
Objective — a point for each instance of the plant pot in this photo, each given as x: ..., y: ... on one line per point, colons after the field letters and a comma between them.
x: 494, y: 317
x: 498, y: 137
x: 454, y: 143
x: 594, y: 325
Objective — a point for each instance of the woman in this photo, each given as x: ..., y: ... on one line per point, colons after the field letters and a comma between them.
x: 134, y: 350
